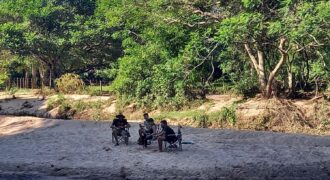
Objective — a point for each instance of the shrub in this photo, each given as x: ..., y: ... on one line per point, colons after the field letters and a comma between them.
x: 97, y: 113
x: 203, y: 120
x: 69, y: 83
x: 226, y: 114
x: 12, y: 91
x: 66, y: 110
x: 94, y: 90
x: 80, y: 106
x: 46, y: 91
x: 56, y: 101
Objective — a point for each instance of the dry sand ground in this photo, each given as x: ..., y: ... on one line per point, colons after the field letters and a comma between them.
x: 37, y: 148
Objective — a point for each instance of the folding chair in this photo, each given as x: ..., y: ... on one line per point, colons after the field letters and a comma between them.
x: 175, y: 145
x: 123, y: 137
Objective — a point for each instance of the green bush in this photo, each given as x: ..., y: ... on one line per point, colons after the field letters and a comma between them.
x: 66, y: 110
x: 56, y: 101
x: 12, y: 91
x: 202, y: 120
x: 3, y: 77
x: 80, y: 106
x: 46, y: 91
x: 225, y: 115
x: 69, y: 83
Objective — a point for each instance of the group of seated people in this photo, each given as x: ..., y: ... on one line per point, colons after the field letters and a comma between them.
x: 147, y: 132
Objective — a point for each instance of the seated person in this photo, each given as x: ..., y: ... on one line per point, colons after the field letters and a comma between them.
x: 118, y: 127
x: 147, y: 130
x: 167, y: 134
x: 149, y: 124
x: 143, y: 136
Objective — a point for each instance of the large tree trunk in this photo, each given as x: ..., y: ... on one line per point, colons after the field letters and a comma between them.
x: 34, y: 75
x: 272, y: 74
x: 42, y: 72
x: 51, y: 75
x: 266, y: 85
x: 291, y: 80
x: 262, y: 75
x: 290, y: 83
x: 258, y: 66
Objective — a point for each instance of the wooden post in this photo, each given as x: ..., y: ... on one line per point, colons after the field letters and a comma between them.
x: 6, y: 84
x: 100, y: 86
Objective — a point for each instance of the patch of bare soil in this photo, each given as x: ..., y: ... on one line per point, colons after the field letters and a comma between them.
x: 220, y: 101
x: 17, y: 125
x: 23, y: 105
x: 37, y: 105
x: 83, y: 150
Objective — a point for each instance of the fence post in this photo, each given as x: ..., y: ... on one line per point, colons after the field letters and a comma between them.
x: 6, y: 83
x: 101, y: 86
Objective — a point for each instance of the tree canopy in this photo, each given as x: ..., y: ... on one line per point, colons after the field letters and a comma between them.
x: 166, y: 52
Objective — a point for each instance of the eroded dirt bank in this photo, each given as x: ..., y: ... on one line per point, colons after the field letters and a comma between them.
x: 218, y: 111
x: 32, y: 146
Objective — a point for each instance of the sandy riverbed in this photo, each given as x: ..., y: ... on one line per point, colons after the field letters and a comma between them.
x: 38, y: 148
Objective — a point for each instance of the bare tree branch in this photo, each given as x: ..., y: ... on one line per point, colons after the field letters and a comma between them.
x: 203, y: 60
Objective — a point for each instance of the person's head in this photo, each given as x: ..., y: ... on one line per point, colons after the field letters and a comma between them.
x: 163, y: 123
x: 146, y: 116
x: 120, y: 116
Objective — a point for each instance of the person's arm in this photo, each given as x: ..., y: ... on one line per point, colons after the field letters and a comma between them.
x: 113, y: 125
x: 145, y: 123
x: 126, y: 124
x: 154, y: 129
x: 152, y: 121
x: 161, y: 133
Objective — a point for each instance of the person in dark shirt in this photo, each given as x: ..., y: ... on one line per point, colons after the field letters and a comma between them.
x: 147, y: 130
x: 118, y: 126
x: 167, y: 134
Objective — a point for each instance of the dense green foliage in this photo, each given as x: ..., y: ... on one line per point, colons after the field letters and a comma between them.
x: 164, y: 53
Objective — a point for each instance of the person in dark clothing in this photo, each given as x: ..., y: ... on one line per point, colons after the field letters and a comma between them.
x: 118, y: 127
x: 147, y: 130
x: 167, y: 134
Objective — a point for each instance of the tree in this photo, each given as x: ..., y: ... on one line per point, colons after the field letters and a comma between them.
x: 263, y: 27
x: 61, y: 35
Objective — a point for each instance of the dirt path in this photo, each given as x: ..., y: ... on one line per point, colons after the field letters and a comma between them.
x: 44, y: 148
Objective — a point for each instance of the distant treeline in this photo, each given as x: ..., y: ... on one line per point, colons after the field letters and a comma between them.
x: 167, y: 52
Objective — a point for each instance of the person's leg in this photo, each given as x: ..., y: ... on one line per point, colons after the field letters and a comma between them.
x: 141, y: 136
x: 147, y: 140
x: 141, y: 132
x: 115, y: 135
x: 160, y: 142
x: 154, y: 131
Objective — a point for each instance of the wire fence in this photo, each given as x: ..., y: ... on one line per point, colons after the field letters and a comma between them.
x: 30, y: 83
